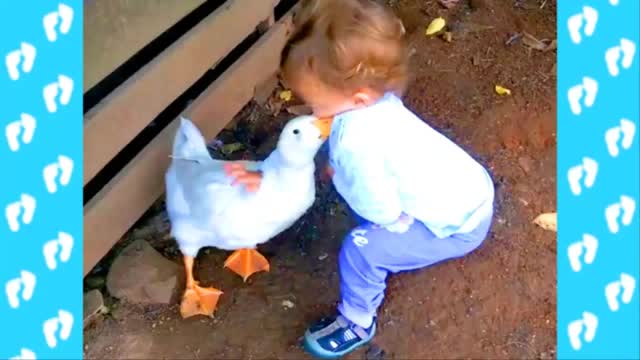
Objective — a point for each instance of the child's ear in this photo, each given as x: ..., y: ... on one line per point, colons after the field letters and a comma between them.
x: 363, y: 98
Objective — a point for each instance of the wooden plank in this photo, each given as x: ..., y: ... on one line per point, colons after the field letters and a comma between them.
x: 116, y: 120
x: 115, y: 30
x: 117, y: 206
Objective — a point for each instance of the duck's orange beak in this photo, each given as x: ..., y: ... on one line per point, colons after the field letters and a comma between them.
x: 324, y: 125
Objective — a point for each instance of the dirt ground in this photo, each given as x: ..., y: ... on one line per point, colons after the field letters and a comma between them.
x: 498, y: 302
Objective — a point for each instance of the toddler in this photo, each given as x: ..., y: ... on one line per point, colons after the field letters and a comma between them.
x: 420, y: 199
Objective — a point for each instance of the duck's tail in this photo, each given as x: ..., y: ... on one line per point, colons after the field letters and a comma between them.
x: 189, y: 144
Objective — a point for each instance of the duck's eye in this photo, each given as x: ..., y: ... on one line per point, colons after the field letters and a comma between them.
x: 296, y: 131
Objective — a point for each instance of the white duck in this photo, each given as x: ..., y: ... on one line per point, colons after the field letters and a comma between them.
x: 206, y: 209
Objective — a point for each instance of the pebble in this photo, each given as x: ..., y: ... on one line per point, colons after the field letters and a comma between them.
x: 323, y: 256
x: 526, y: 163
x: 140, y: 274
x: 93, y: 306
x: 288, y: 304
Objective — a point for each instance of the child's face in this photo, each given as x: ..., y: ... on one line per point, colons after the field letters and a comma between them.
x: 323, y: 100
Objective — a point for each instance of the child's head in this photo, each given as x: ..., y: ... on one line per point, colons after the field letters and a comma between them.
x: 344, y: 55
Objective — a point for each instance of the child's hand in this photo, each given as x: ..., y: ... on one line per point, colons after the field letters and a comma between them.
x: 401, y: 225
x: 250, y: 179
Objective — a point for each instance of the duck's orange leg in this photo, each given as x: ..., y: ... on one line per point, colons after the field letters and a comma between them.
x: 197, y: 300
x: 246, y: 262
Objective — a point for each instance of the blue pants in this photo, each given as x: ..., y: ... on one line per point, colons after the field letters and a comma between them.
x: 369, y: 254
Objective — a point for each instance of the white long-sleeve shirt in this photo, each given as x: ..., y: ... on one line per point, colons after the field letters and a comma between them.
x: 388, y: 161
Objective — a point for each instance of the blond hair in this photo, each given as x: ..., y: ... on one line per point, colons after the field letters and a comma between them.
x: 349, y: 45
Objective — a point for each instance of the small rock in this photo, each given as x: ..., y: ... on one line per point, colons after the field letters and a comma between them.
x: 288, y: 304
x: 95, y: 281
x: 526, y: 163
x: 323, y: 256
x: 93, y: 307
x: 141, y: 275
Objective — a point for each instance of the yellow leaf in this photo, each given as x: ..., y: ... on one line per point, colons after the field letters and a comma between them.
x: 502, y: 90
x: 547, y: 221
x: 229, y: 149
x: 435, y: 26
x: 285, y: 95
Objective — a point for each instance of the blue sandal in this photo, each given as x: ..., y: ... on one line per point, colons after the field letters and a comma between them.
x: 333, y: 337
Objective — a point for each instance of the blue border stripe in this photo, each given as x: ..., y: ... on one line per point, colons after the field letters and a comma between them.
x: 41, y: 179
x: 598, y: 177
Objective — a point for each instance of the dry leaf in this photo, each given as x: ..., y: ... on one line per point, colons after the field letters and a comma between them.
x: 547, y: 221
x: 285, y: 95
x: 532, y: 42
x: 542, y: 45
x: 500, y: 90
x: 435, y: 26
x: 513, y: 38
x: 552, y: 45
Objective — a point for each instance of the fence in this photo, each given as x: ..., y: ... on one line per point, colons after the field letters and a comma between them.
x: 199, y: 59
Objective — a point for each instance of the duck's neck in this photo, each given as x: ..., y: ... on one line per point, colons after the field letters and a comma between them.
x: 275, y: 162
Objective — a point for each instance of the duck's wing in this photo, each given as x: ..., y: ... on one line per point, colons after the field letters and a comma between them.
x: 206, y: 188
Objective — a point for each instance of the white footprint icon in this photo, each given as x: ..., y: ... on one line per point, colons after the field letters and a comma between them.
x: 51, y: 20
x: 589, y: 168
x: 628, y: 52
x: 611, y: 58
x: 13, y: 129
x: 588, y: 323
x: 626, y: 207
x: 26, y: 282
x: 62, y: 167
x: 588, y: 17
x: 25, y: 354
x: 611, y: 214
x: 614, y: 2
x: 626, y: 130
x: 63, y: 86
x: 628, y: 287
x: 13, y: 59
x: 625, y: 285
x: 50, y: 250
x: 25, y: 206
x: 625, y: 50
x: 575, y: 95
x: 64, y: 322
x: 49, y: 328
x: 575, y: 250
